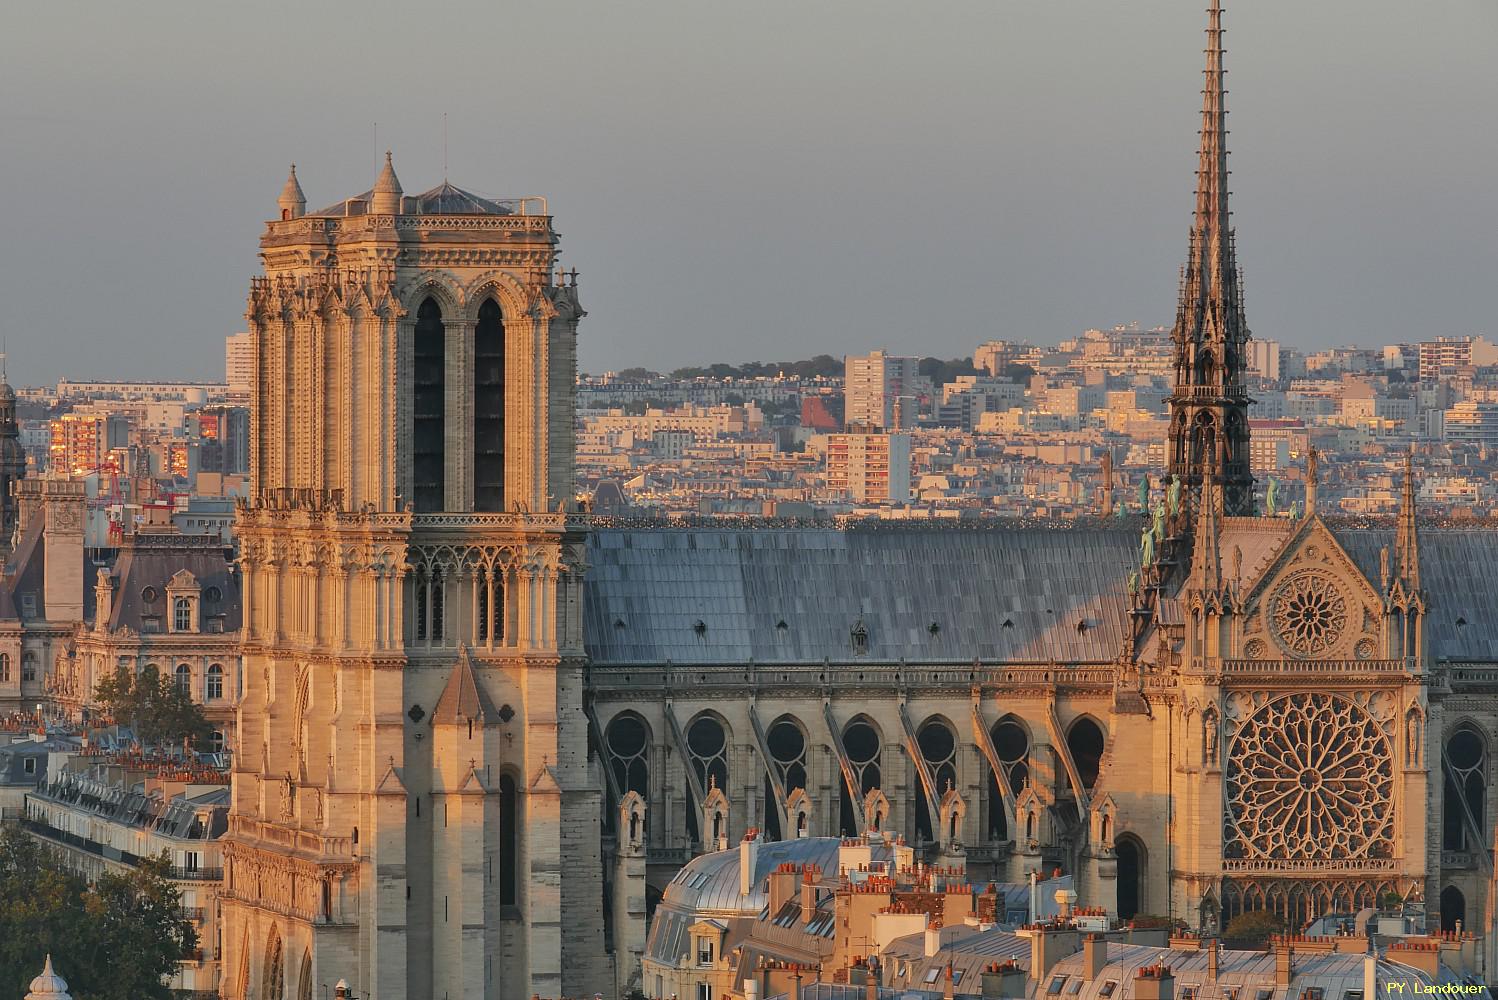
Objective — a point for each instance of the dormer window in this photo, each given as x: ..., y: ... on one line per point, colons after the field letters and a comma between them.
x: 184, y: 600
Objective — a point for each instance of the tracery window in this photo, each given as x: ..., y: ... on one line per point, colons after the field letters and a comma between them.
x: 787, y: 745
x: 1310, y: 776
x: 1011, y: 744
x: 628, y: 744
x: 1464, y: 797
x: 861, y: 747
x: 1309, y: 613
x: 938, y: 746
x: 707, y: 746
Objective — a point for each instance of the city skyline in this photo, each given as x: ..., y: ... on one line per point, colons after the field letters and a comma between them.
x: 679, y: 261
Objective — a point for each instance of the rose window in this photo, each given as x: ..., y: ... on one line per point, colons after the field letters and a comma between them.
x: 1309, y: 614
x: 1309, y: 777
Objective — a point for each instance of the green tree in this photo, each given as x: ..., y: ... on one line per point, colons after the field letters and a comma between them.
x: 154, y: 707
x: 118, y: 939
x: 1254, y: 927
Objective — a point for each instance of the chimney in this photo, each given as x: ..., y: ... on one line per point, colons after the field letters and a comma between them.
x: 1034, y: 896
x: 871, y: 982
x: 1094, y: 957
x: 1370, y: 974
x: 1049, y: 945
x: 1283, y: 955
x: 1004, y: 981
x: 62, y: 535
x: 933, y: 938
x: 782, y: 886
x: 748, y: 860
x: 1212, y: 958
x: 796, y: 984
x: 1154, y: 982
x: 947, y: 990
x: 809, y: 893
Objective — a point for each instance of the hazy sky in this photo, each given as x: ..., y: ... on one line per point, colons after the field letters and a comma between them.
x: 758, y: 180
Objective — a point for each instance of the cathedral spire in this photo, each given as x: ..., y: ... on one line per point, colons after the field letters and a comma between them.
x: 1206, y: 560
x: 1406, y: 540
x: 1209, y: 407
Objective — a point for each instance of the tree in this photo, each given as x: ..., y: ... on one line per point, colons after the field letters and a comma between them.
x: 1254, y: 927
x: 118, y: 939
x: 156, y: 709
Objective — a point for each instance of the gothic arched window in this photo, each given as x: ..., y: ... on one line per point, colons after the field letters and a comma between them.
x: 489, y: 408
x: 861, y: 746
x: 1465, y: 790
x: 707, y: 745
x: 786, y: 742
x: 938, y: 747
x: 627, y: 742
x: 1011, y: 744
x: 428, y: 407
x: 1085, y: 741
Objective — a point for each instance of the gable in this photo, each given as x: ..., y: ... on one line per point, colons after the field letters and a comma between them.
x: 1312, y: 601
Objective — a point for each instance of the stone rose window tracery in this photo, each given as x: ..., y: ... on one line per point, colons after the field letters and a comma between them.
x: 1309, y: 777
x: 1309, y: 613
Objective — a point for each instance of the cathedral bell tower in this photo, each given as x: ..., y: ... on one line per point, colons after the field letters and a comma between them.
x: 411, y: 807
x: 1209, y: 406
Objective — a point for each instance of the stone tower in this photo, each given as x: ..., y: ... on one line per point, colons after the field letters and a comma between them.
x: 12, y: 461
x: 1209, y: 407
x: 411, y: 810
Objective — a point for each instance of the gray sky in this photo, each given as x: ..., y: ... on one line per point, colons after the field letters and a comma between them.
x: 758, y: 180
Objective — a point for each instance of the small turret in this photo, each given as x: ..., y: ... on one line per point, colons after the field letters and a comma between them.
x: 387, y: 191
x: 293, y: 203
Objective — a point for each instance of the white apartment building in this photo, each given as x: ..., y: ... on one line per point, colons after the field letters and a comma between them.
x: 873, y: 382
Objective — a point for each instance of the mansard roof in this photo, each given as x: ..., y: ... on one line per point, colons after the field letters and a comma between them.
x: 770, y: 594
x: 148, y: 564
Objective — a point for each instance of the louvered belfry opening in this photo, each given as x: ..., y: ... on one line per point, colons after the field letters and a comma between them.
x: 428, y: 403
x: 489, y: 408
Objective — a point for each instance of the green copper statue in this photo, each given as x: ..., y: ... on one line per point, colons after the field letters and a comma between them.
x: 1271, y: 497
x: 1295, y: 511
x: 1175, y: 495
x: 1146, y: 548
x: 1159, y: 526
x: 1144, y: 493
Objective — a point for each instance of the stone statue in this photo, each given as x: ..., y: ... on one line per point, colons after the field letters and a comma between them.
x: 1175, y: 495
x: 1209, y: 725
x: 1311, y: 474
x: 1272, y: 497
x: 1146, y: 548
x: 1159, y: 526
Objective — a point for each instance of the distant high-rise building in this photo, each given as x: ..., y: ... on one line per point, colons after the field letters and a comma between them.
x: 1264, y: 359
x: 1441, y: 357
x: 869, y: 468
x: 239, y: 363
x: 871, y: 385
